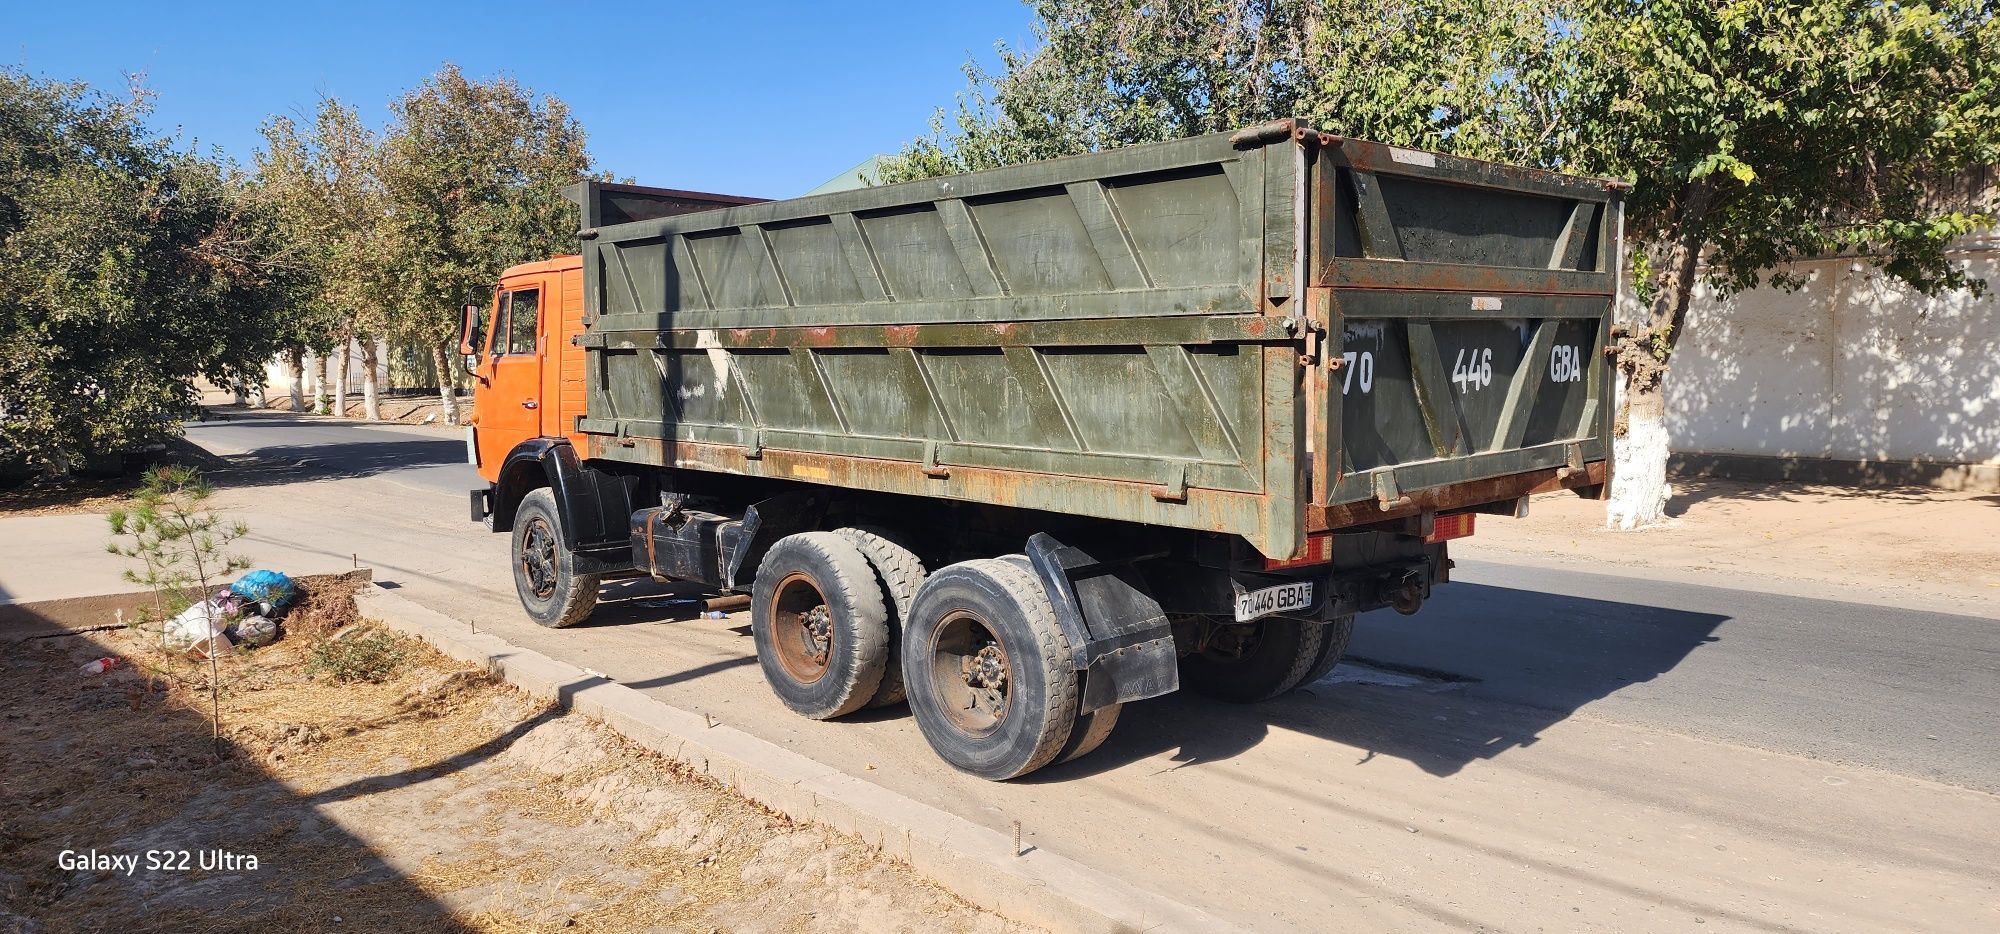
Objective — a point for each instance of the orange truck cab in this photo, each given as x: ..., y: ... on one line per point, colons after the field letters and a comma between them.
x: 528, y: 367
x: 529, y: 372
x: 531, y: 375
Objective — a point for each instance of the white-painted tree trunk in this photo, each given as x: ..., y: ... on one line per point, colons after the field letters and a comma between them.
x: 295, y: 373
x: 257, y: 396
x: 371, y: 390
x: 320, y: 363
x: 341, y: 354
x: 1639, y: 488
x: 447, y: 392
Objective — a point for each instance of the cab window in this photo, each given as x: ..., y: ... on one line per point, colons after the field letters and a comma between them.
x: 519, y: 308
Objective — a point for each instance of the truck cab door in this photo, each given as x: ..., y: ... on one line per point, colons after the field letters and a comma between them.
x: 508, y: 406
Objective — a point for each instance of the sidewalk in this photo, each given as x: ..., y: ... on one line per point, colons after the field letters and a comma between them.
x: 1911, y: 546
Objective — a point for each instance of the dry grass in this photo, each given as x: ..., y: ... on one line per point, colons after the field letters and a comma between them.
x: 437, y: 800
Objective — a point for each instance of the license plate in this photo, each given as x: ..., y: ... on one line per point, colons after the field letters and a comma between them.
x: 1282, y: 598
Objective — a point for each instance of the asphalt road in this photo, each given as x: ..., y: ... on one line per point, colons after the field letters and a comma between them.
x: 1907, y: 691
x: 1537, y: 749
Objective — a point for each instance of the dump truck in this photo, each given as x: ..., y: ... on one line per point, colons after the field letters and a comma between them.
x: 1021, y: 446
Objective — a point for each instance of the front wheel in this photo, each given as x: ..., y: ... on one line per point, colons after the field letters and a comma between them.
x: 545, y: 576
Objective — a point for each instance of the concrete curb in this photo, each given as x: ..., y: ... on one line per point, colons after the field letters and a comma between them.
x: 974, y: 861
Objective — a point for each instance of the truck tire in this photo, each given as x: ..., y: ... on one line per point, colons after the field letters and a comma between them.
x: 901, y: 573
x: 1338, y: 633
x: 1247, y: 663
x: 1089, y: 732
x: 1090, y: 729
x: 987, y: 670
x: 820, y: 624
x: 545, y: 576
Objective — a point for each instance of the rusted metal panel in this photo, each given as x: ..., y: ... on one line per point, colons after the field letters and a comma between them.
x: 1212, y: 333
x: 1460, y: 495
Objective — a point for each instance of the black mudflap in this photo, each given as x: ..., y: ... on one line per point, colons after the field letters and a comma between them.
x: 1119, y: 635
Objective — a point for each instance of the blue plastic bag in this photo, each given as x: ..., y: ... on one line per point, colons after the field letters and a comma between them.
x: 272, y: 588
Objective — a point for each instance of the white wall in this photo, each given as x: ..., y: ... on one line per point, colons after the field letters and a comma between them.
x: 1850, y: 368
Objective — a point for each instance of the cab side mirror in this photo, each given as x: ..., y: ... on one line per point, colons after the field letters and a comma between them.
x: 468, y: 330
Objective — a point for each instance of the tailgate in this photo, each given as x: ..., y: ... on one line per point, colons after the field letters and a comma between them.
x: 1463, y: 305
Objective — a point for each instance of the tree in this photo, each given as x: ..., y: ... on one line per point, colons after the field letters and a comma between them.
x: 182, y: 547
x: 1481, y: 78
x: 1759, y: 134
x: 128, y: 268
x: 473, y: 172
x: 1109, y: 73
x: 324, y: 183
x: 1755, y: 134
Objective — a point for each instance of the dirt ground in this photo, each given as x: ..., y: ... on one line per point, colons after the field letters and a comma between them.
x: 408, y: 410
x: 69, y: 497
x: 436, y: 800
x: 1921, y: 542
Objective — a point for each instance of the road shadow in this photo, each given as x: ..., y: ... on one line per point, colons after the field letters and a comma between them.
x: 282, y: 464
x: 643, y: 600
x: 291, y: 458
x: 1481, y: 671
x: 148, y: 779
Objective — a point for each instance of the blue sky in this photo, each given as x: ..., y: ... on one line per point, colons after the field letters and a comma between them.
x: 764, y: 99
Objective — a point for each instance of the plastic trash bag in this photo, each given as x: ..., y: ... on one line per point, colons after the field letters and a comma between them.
x: 253, y: 630
x: 200, y: 630
x: 270, y: 588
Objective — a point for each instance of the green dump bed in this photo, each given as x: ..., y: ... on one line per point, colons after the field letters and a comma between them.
x: 1265, y: 333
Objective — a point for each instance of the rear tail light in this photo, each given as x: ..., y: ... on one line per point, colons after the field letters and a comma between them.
x: 1319, y: 550
x: 1445, y: 528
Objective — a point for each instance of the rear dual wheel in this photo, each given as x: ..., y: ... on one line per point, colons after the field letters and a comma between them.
x: 820, y: 623
x: 985, y: 666
x: 899, y: 572
x: 988, y: 673
x: 1250, y: 662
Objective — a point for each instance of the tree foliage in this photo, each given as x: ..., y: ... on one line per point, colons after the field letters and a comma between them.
x: 473, y: 172
x: 1758, y: 134
x: 323, y: 184
x: 402, y: 227
x: 128, y: 268
x: 1482, y: 78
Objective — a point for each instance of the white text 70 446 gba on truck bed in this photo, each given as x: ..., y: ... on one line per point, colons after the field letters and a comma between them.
x: 1279, y: 599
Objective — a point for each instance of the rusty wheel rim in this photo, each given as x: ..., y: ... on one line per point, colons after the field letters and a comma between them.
x: 538, y: 558
x: 971, y: 674
x: 802, y: 630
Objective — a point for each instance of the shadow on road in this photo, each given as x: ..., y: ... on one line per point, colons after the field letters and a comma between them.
x: 1495, y: 667
x: 281, y: 464
x: 292, y: 448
